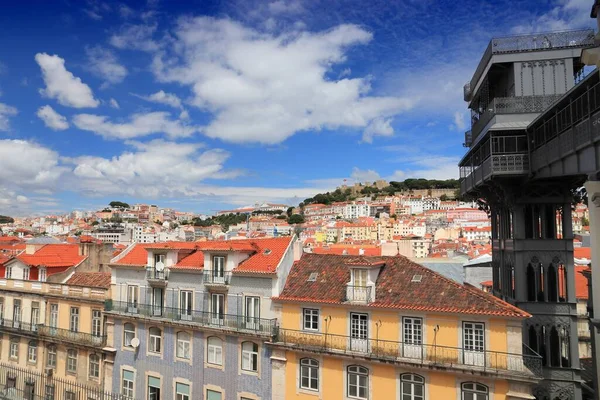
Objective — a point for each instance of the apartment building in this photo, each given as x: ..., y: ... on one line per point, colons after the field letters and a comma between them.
x: 357, y: 209
x: 190, y: 320
x: 56, y: 330
x: 349, y: 330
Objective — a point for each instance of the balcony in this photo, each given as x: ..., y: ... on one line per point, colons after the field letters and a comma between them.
x: 529, y: 43
x: 468, y: 139
x: 10, y: 326
x: 525, y: 365
x: 359, y: 294
x: 65, y: 335
x: 157, y: 277
x: 227, y: 322
x: 496, y: 164
x: 216, y: 278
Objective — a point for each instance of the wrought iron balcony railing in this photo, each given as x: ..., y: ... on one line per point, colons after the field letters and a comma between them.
x: 9, y: 325
x: 66, y: 335
x: 217, y: 277
x: 154, y: 274
x: 359, y: 294
x: 230, y: 322
x: 532, y: 42
x: 528, y: 362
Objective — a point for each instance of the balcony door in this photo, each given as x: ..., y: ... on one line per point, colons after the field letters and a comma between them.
x: 474, y: 343
x: 132, y: 299
x: 359, y: 332
x: 157, y: 302
x: 252, y: 312
x: 53, y: 318
x: 360, y: 291
x: 17, y: 314
x: 185, y: 304
x: 412, y: 337
x: 217, y: 308
x: 218, y: 271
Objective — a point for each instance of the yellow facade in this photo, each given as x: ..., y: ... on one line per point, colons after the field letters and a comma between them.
x: 441, y: 381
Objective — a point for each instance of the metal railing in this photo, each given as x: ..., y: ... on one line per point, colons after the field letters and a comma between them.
x: 359, y: 294
x: 495, y: 361
x: 230, y: 322
x: 9, y: 325
x: 468, y: 139
x: 510, y: 163
x: 217, y: 277
x: 73, y: 337
x: 154, y: 274
x: 532, y: 42
x: 19, y: 383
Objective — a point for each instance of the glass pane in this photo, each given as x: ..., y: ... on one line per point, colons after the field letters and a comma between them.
x: 152, y: 381
x: 183, y: 389
x: 128, y: 375
x: 212, y: 395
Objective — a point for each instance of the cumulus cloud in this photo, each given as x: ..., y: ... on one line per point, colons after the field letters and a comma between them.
x: 62, y: 85
x: 265, y: 88
x: 52, y: 119
x: 459, y: 121
x: 378, y: 127
x: 142, y: 124
x: 567, y: 14
x: 103, y: 63
x: 114, y: 104
x: 41, y: 170
x: 6, y: 112
x: 161, y: 97
x: 135, y: 37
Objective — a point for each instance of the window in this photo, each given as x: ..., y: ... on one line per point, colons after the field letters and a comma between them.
x: 252, y: 312
x: 182, y: 391
x: 309, y: 374
x: 218, y: 268
x: 35, y: 314
x: 250, y: 356
x: 186, y: 304
x: 153, y: 388
x: 51, y: 356
x: 1, y: 310
x: 474, y: 391
x: 72, y: 360
x: 155, y: 339
x: 360, y: 277
x: 218, y: 307
x: 32, y: 352
x: 213, y: 395
x: 413, y: 330
x: 358, y: 382
x: 42, y: 275
x: 157, y: 302
x: 183, y: 345
x: 8, y: 272
x: 96, y: 323
x: 54, y: 315
x: 311, y: 319
x: 70, y: 395
x: 159, y: 259
x: 14, y: 348
x: 359, y: 332
x: 74, y: 320
x: 474, y: 336
x: 132, y: 297
x: 29, y: 390
x: 26, y: 273
x: 215, y: 351
x: 412, y: 387
x: 17, y: 313
x: 49, y: 392
x: 127, y: 384
x: 128, y: 334
x: 94, y: 369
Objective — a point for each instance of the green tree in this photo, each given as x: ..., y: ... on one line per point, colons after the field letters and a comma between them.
x: 296, y: 219
x: 585, y: 221
x: 94, y: 223
x: 290, y: 211
x: 118, y: 204
x: 444, y: 197
x: 4, y: 219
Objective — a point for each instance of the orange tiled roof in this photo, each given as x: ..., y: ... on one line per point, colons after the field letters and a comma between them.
x: 193, y: 261
x: 581, y: 282
x: 54, y: 255
x: 9, y: 239
x: 434, y: 293
x: 90, y: 279
x: 269, y: 253
x: 582, y: 252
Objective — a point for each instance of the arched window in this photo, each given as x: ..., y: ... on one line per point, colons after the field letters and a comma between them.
x: 541, y: 282
x: 154, y: 344
x: 215, y: 350
x: 543, y: 344
x: 531, y: 283
x: 552, y: 284
x: 474, y: 391
x: 250, y: 356
x: 358, y: 382
x: 72, y: 360
x: 183, y: 345
x: 562, y: 283
x: 412, y: 387
x: 554, y: 348
x: 128, y: 334
x: 565, y: 359
x: 94, y: 366
x: 51, y: 356
x: 533, y: 339
x: 309, y: 374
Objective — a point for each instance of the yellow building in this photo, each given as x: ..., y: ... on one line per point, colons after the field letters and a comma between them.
x: 387, y: 328
x: 57, y: 331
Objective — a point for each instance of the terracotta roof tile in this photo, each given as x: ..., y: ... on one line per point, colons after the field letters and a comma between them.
x: 269, y: 253
x: 394, y: 287
x: 193, y: 261
x: 54, y: 255
x: 90, y: 279
x: 581, y: 282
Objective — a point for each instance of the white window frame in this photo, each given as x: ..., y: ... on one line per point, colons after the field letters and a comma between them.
x: 250, y: 356
x: 94, y: 366
x: 96, y: 323
x: 127, y: 333
x: 42, y: 275
x: 14, y: 348
x: 357, y: 371
x: 26, y: 273
x: 54, y: 315
x: 475, y: 392
x: 74, y: 319
x: 184, y: 345
x: 8, y: 272
x: 214, y: 352
x: 309, y: 368
x: 72, y: 361
x: 32, y: 352
x: 310, y: 315
x: 411, y: 381
x: 154, y: 340
x: 51, y: 356
x: 182, y: 396
x: 127, y: 386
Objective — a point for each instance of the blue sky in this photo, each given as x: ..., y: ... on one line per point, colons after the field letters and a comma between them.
x: 205, y: 105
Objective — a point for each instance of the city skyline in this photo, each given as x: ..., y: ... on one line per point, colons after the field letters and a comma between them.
x: 131, y: 102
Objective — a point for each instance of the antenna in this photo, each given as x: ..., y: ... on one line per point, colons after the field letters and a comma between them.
x: 135, y: 343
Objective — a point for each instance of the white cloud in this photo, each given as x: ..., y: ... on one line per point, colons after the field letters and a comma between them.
x: 161, y: 97
x: 103, y: 63
x: 265, y: 88
x: 567, y: 14
x: 137, y: 37
x: 95, y: 9
x: 138, y: 125
x: 125, y: 11
x: 6, y: 111
x: 288, y: 7
x: 41, y: 169
x: 459, y: 121
x: 62, y: 85
x: 52, y: 119
x: 360, y: 175
x: 378, y: 127
x: 114, y: 104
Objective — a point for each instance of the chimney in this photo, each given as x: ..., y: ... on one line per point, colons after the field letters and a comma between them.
x: 297, y: 249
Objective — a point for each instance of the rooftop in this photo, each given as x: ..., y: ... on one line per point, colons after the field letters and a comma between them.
x: 90, y: 279
x: 53, y: 255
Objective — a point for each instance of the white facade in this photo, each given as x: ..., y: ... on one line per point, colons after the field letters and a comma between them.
x: 357, y: 210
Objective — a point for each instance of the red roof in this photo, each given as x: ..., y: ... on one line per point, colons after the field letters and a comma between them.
x: 193, y: 261
x: 581, y: 282
x: 53, y: 255
x: 90, y: 279
x: 9, y: 239
x: 269, y: 253
x: 582, y: 252
x: 394, y: 287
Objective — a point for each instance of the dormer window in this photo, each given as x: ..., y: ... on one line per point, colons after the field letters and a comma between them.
x: 26, y: 273
x: 218, y: 267
x: 8, y: 274
x: 42, y: 275
x: 159, y: 259
x: 360, y: 277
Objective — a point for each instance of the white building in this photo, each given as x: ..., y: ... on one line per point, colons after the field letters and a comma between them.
x: 357, y: 210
